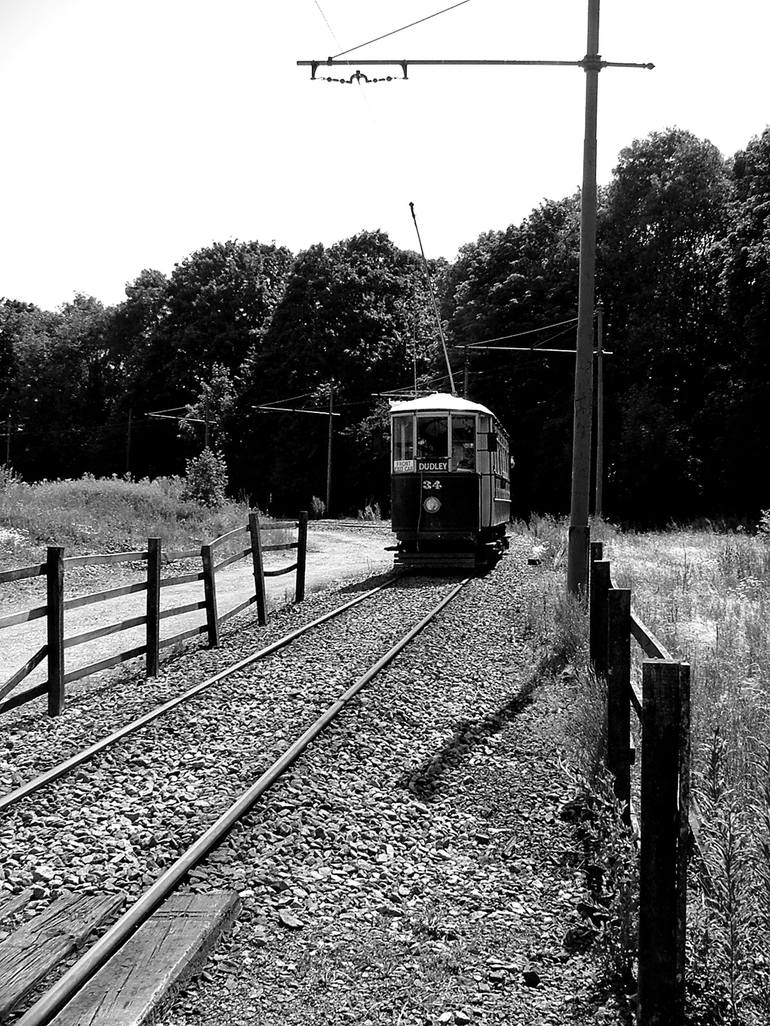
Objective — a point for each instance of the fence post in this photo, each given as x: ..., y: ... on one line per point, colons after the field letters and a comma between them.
x: 55, y: 622
x: 660, y: 998
x: 152, y: 655
x: 597, y: 553
x: 301, y: 556
x: 618, y: 694
x: 600, y: 586
x: 259, y: 569
x: 210, y: 594
x: 683, y: 848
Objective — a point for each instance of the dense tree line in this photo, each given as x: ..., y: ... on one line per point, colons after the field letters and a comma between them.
x: 683, y: 272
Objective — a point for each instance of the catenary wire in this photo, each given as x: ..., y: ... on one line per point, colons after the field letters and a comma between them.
x: 360, y: 46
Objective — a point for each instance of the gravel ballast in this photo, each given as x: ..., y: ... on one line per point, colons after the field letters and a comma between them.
x: 411, y: 867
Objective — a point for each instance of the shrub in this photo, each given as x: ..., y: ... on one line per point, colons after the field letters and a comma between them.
x: 317, y: 508
x: 206, y: 479
x: 370, y: 512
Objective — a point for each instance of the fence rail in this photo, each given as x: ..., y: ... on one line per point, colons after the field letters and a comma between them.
x: 56, y: 604
x: 663, y: 712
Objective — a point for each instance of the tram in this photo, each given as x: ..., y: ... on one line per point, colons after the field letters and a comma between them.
x: 450, y: 482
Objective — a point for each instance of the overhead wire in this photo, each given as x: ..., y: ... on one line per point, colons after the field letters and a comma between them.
x: 386, y: 35
x: 521, y: 334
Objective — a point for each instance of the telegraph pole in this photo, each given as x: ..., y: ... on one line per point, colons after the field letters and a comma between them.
x: 577, y: 553
x: 329, y: 452
x: 599, y: 504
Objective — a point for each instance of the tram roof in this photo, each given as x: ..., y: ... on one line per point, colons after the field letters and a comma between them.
x: 439, y: 401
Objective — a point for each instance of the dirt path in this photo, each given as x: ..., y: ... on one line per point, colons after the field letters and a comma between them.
x: 335, y: 553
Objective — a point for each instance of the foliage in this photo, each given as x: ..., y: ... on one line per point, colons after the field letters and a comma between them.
x: 209, y: 413
x: 206, y: 479
x: 682, y: 268
x: 371, y: 512
x: 104, y: 515
x: 317, y: 508
x: 706, y: 595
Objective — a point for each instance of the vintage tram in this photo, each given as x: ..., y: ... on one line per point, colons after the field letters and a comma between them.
x: 450, y: 482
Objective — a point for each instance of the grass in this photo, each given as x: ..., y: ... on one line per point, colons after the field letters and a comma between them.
x: 706, y: 595
x: 103, y: 515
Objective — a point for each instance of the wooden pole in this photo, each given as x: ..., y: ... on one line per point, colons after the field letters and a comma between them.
x: 577, y: 556
x: 596, y: 553
x: 329, y: 454
x: 301, y: 556
x: 599, y: 503
x: 660, y: 999
x: 597, y: 628
x: 259, y: 569
x: 55, y: 624
x: 210, y: 595
x: 683, y: 849
x: 618, y: 694
x: 152, y: 655
x: 128, y: 441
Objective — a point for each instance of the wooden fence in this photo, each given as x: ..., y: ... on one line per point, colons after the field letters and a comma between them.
x: 665, y: 819
x: 56, y: 604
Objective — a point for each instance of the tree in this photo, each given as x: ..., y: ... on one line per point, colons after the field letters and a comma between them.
x: 62, y: 377
x: 660, y: 269
x: 740, y: 407
x: 512, y: 281
x: 351, y: 316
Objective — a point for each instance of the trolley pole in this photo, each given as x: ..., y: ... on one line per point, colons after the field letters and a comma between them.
x: 577, y: 553
x: 599, y: 505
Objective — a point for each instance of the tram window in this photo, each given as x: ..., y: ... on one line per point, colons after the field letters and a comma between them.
x: 432, y: 438
x: 463, y: 443
x: 403, y: 438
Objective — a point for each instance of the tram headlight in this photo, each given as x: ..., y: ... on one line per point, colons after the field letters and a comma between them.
x: 432, y: 504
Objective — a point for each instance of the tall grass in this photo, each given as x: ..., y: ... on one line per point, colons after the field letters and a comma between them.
x: 706, y: 595
x: 103, y: 515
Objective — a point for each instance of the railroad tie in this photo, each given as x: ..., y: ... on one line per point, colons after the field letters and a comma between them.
x: 144, y: 976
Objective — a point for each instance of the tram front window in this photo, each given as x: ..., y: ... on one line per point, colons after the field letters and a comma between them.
x: 463, y: 443
x: 432, y: 438
x: 403, y: 440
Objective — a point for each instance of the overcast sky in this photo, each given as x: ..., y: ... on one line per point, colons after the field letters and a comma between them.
x: 136, y: 131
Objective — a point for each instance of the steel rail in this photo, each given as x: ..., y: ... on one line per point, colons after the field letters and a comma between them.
x: 51, y: 1003
x: 60, y: 770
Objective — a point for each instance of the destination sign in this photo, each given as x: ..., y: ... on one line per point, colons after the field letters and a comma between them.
x: 434, y: 466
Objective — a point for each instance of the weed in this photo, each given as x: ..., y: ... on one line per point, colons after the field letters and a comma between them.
x: 104, y: 515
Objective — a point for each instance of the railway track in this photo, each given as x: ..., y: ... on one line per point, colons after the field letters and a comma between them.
x: 267, y: 694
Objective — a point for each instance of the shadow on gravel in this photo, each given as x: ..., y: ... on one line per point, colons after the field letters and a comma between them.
x: 367, y: 585
x: 425, y: 780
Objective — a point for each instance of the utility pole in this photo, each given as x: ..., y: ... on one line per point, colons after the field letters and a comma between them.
x: 592, y: 64
x: 599, y: 504
x: 577, y: 552
x: 128, y: 441
x: 329, y: 452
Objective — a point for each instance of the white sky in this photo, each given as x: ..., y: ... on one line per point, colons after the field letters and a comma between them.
x: 136, y: 131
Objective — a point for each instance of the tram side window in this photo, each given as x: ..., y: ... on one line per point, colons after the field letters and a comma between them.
x: 432, y: 438
x: 403, y: 439
x: 463, y: 443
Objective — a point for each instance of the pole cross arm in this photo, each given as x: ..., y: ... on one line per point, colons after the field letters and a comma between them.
x: 591, y: 62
